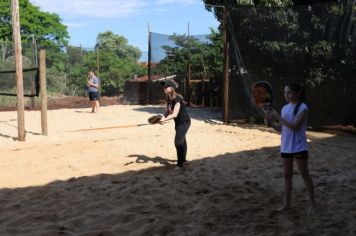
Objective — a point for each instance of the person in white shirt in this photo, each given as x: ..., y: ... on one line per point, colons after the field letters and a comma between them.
x: 292, y: 124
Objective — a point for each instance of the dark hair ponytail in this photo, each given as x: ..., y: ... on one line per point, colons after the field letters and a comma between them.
x: 297, y: 88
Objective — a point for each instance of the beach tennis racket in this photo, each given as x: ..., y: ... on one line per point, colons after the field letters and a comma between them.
x: 262, y: 94
x: 154, y: 119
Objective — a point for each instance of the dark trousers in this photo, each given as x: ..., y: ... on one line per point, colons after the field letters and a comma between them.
x: 181, y: 143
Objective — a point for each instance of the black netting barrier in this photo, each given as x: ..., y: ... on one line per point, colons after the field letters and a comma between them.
x: 31, y: 82
x: 8, y: 70
x: 312, y: 44
x: 188, y: 59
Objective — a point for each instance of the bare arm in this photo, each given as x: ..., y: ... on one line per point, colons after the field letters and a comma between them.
x: 271, y: 122
x: 174, y: 113
x: 298, y: 121
x: 90, y: 84
x: 276, y: 126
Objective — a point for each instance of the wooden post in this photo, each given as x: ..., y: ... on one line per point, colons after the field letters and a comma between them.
x: 97, y: 62
x: 203, y: 81
x: 43, y: 91
x: 226, y: 84
x: 149, y: 69
x: 34, y: 62
x: 226, y: 70
x: 19, y: 73
x: 189, y: 78
x: 98, y: 68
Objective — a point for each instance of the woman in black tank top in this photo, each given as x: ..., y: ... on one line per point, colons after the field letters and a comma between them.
x: 176, y: 110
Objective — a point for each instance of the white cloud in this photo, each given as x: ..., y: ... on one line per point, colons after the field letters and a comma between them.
x: 92, y: 8
x: 77, y: 25
x: 105, y: 8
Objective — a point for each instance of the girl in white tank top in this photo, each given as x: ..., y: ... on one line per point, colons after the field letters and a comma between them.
x: 292, y: 125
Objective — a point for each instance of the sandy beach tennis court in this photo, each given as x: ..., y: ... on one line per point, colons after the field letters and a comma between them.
x: 121, y: 181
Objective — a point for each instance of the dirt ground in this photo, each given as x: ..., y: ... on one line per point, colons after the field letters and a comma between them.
x: 91, y: 176
x: 65, y: 102
x: 82, y: 102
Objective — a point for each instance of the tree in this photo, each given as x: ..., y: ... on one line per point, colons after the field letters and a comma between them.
x: 43, y: 25
x: 296, y: 41
x: 118, y: 61
x: 108, y: 41
x: 205, y: 56
x: 46, y: 28
x: 309, y: 40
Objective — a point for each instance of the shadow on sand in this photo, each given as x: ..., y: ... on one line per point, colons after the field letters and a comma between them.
x: 204, y: 114
x: 230, y: 194
x: 14, y: 126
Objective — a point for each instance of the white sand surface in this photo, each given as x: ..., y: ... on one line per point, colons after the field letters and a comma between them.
x: 121, y: 181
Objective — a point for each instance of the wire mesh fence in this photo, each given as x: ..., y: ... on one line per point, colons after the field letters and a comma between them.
x: 8, y: 70
x: 194, y: 61
x: 311, y: 44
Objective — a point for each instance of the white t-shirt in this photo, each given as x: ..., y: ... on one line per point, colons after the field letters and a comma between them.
x: 293, y: 141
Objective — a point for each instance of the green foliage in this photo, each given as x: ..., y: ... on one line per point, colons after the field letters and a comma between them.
x: 45, y: 26
x: 48, y: 31
x: 117, y: 44
x: 312, y: 44
x: 118, y: 61
x: 205, y: 57
x: 218, y: 11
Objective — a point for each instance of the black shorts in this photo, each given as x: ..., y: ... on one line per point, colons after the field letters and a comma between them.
x: 296, y: 155
x: 93, y: 96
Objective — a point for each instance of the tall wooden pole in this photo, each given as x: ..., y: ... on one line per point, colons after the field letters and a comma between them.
x: 226, y: 70
x: 203, y: 82
x: 43, y: 87
x: 35, y: 63
x: 19, y: 74
x: 149, y: 71
x: 97, y: 62
x: 189, y: 66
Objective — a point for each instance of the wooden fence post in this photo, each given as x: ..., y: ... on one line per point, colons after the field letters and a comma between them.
x: 43, y: 92
x: 226, y: 69
x: 19, y: 72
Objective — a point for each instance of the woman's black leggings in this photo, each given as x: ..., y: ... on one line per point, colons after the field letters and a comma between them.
x: 181, y: 143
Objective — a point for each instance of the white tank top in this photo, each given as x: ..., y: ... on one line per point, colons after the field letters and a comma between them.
x: 293, y: 141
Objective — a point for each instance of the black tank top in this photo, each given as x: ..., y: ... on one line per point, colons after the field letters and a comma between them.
x: 182, y: 116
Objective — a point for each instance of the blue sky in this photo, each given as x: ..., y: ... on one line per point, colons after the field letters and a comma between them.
x: 129, y: 18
